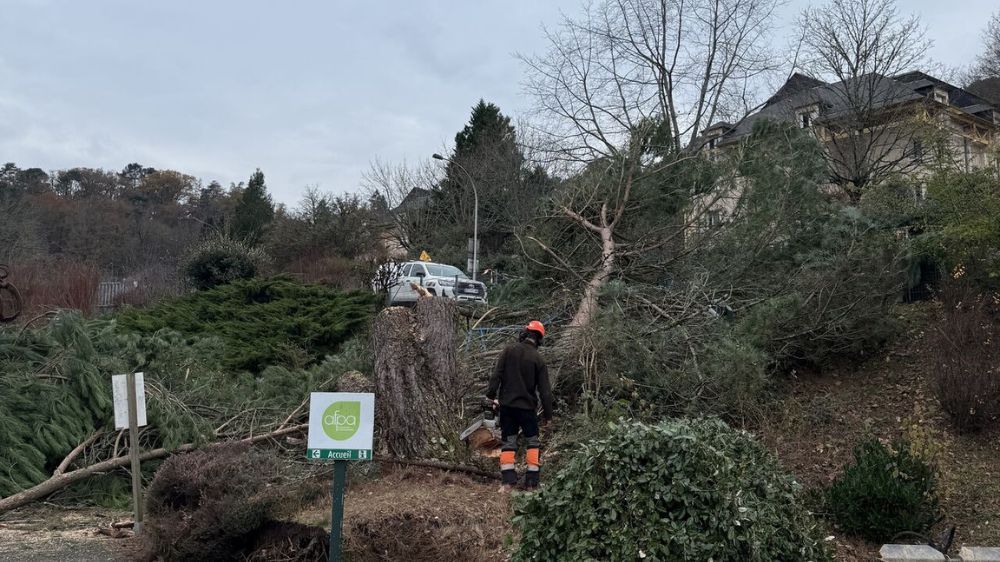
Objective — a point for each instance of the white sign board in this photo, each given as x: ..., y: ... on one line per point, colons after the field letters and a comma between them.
x: 341, y: 425
x: 119, y: 387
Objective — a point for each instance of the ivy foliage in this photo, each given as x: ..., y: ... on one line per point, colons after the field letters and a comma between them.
x: 678, y: 490
x: 884, y: 492
x: 262, y: 322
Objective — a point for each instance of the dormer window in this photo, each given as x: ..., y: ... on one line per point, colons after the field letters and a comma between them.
x: 940, y: 96
x: 806, y: 117
x: 713, y: 142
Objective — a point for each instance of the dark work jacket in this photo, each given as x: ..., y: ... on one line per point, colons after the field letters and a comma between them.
x: 519, y: 376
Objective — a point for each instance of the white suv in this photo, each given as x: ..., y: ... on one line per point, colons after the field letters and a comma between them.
x: 439, y: 279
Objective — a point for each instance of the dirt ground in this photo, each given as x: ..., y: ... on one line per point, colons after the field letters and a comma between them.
x: 891, y: 396
x: 421, y: 514
x: 48, y: 533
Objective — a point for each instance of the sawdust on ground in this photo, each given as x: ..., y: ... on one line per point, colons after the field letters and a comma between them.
x: 44, y: 532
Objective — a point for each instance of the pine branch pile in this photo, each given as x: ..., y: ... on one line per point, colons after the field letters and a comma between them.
x: 55, y: 387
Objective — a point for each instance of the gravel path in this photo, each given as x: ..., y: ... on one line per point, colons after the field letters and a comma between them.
x: 42, y: 533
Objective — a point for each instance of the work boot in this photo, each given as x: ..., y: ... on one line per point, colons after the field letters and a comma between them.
x: 531, y: 480
x: 509, y: 477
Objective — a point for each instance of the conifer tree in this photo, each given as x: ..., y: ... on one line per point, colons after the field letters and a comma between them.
x: 254, y: 211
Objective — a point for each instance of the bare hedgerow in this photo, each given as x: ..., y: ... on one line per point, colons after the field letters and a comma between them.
x: 966, y: 348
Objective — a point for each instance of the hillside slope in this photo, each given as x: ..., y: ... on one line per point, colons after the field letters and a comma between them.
x: 892, y: 395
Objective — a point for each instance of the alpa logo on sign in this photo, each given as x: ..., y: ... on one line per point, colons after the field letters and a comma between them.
x: 341, y: 420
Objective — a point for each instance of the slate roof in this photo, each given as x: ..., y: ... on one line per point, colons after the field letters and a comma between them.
x: 802, y: 91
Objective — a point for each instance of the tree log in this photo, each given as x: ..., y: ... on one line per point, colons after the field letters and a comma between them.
x: 60, y: 481
x: 444, y: 466
x: 76, y: 451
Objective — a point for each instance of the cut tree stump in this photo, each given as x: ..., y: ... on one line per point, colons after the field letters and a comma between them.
x: 416, y: 376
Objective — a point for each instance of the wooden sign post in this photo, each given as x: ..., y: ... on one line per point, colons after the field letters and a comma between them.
x: 130, y: 412
x: 341, y: 427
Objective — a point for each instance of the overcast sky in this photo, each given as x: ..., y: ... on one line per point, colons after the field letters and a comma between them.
x: 308, y: 91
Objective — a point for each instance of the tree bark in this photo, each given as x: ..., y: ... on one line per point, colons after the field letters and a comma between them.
x: 76, y: 452
x: 416, y: 376
x: 587, y: 309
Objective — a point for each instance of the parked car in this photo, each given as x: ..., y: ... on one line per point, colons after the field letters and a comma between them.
x: 439, y: 279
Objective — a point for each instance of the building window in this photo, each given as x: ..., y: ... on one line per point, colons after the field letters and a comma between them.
x: 713, y: 142
x: 806, y: 118
x: 917, y: 151
x: 941, y: 96
x: 713, y: 218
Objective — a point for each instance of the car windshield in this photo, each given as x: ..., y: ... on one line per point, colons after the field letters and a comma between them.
x: 438, y: 270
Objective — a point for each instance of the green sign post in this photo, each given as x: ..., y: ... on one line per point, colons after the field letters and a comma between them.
x: 341, y: 428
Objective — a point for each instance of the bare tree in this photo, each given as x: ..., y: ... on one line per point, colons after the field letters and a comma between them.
x: 623, y: 90
x: 868, y: 119
x: 603, y: 212
x: 406, y: 191
x: 988, y: 62
x: 684, y: 63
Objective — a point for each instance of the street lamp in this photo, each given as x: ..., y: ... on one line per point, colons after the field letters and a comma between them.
x: 475, y: 213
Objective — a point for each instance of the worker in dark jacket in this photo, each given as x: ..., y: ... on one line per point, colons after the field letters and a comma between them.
x: 519, y: 380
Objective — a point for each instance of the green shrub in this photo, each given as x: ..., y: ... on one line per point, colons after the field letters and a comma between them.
x: 966, y: 214
x: 678, y: 490
x: 702, y: 368
x: 217, y: 261
x: 885, y: 491
x: 262, y: 322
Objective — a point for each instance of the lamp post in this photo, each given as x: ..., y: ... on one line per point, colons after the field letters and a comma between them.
x: 475, y: 213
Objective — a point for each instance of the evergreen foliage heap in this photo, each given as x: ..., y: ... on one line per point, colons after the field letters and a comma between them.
x: 263, y: 321
x: 55, y: 380
x: 55, y: 390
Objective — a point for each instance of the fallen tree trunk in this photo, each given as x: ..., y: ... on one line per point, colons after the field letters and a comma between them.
x: 495, y: 475
x: 60, y: 481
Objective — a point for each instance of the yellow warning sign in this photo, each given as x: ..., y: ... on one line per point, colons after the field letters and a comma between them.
x: 424, y: 256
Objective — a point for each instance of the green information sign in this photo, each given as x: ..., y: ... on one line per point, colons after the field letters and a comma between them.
x: 341, y: 428
x: 339, y: 454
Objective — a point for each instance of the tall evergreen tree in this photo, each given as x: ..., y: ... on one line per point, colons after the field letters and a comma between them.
x: 254, y: 210
x: 486, y: 156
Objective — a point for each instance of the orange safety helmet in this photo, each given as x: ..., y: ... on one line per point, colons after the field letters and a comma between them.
x: 536, y: 326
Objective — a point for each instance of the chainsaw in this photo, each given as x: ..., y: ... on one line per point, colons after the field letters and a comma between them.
x: 484, y: 433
